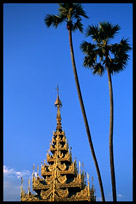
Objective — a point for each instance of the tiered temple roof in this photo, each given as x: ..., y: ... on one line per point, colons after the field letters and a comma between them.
x: 61, y: 179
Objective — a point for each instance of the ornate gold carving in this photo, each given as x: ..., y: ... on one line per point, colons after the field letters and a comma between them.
x: 49, y: 179
x: 51, y: 167
x: 82, y: 195
x: 67, y: 156
x: 62, y: 181
x: 48, y: 157
x: 71, y: 168
x: 46, y: 194
x: 62, y: 167
x: 60, y: 154
x: 63, y: 193
x: 29, y: 197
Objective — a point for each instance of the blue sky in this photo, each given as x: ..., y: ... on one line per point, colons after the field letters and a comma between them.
x: 36, y: 59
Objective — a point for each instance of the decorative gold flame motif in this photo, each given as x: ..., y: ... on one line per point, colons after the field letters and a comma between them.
x: 61, y: 180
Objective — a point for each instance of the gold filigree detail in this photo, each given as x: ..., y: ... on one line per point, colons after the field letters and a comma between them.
x: 63, y: 193
x: 71, y: 168
x: 62, y: 167
x: 62, y: 179
x: 60, y: 154
x: 82, y: 195
x: 46, y: 194
x: 49, y: 179
x: 51, y: 167
x: 29, y: 197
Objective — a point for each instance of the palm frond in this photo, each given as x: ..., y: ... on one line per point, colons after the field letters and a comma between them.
x: 104, y: 32
x: 87, y: 48
x: 65, y: 6
x: 120, y: 55
x: 53, y: 20
x: 89, y: 61
x: 78, y: 25
x: 69, y: 12
x: 107, y: 30
x: 79, y: 11
x: 63, y: 9
x: 72, y: 10
x: 100, y: 52
x: 93, y: 32
x: 98, y: 69
x: 125, y: 45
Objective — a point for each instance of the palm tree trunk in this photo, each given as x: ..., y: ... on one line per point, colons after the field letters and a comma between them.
x: 111, y: 138
x: 84, y: 114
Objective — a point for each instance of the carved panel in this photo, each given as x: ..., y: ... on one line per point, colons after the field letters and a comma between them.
x: 60, y: 154
x: 63, y: 193
x: 82, y: 194
x: 46, y: 194
x: 67, y: 156
x: 71, y: 168
x: 51, y: 167
x: 62, y: 179
x: 29, y: 197
x: 62, y: 166
x: 49, y: 179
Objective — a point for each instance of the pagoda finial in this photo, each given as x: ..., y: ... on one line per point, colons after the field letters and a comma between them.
x: 58, y: 101
x: 58, y: 104
x: 57, y: 89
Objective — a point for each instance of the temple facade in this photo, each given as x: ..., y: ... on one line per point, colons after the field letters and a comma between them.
x: 61, y: 179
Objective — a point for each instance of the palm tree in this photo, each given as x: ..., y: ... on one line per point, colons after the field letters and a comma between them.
x: 101, y: 56
x: 71, y: 13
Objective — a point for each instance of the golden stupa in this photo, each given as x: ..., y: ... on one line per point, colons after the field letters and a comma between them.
x: 60, y: 179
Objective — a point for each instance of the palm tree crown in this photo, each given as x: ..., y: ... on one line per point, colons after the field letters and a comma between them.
x: 70, y: 13
x: 100, y: 55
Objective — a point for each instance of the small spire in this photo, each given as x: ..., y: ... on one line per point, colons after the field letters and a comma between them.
x: 79, y: 169
x: 87, y: 177
x: 37, y: 170
x: 88, y: 184
x: 29, y: 186
x: 22, y: 181
x: 21, y: 187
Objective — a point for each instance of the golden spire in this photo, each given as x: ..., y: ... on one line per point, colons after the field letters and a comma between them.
x: 58, y: 104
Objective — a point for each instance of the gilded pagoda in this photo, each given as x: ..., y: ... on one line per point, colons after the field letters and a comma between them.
x: 60, y: 179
